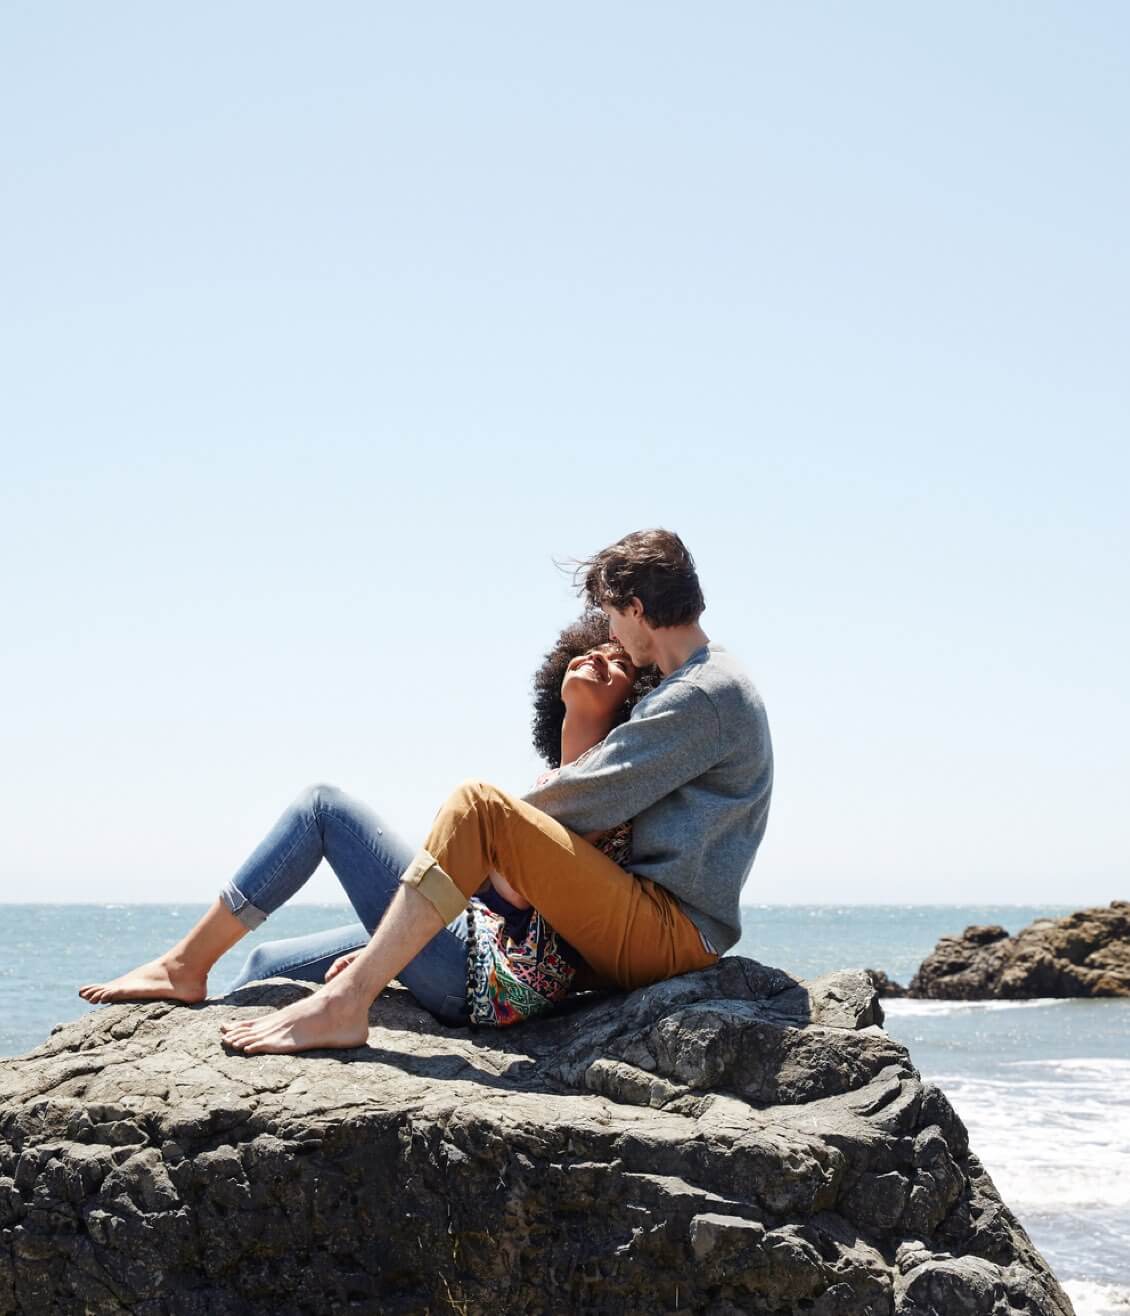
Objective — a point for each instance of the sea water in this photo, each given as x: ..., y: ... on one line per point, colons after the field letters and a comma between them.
x: 1043, y: 1086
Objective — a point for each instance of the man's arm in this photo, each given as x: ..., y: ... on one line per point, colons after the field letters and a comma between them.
x: 673, y: 739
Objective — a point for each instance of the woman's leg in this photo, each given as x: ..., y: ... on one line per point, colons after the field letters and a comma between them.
x: 437, y: 977
x: 366, y: 856
x: 181, y: 973
x: 322, y: 823
x: 304, y: 958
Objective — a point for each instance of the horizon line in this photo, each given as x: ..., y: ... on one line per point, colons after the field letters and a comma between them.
x: 760, y: 904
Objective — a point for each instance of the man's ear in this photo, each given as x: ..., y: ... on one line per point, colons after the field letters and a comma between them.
x: 635, y: 609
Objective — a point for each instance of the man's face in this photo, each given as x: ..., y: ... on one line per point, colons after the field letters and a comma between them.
x: 631, y: 631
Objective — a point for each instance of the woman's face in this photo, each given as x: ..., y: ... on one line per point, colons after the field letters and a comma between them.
x: 598, y: 681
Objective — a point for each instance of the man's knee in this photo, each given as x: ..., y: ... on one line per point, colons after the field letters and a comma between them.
x: 474, y: 795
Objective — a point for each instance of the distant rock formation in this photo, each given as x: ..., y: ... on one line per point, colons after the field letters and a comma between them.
x: 732, y: 1141
x: 1084, y: 954
x: 883, y: 985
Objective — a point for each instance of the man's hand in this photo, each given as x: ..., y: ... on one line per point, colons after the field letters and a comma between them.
x: 341, y: 964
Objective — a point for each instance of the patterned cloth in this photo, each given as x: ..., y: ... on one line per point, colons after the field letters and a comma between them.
x: 517, y: 966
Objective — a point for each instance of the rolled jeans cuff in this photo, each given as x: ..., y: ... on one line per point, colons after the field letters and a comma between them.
x: 247, y: 913
x: 435, y: 886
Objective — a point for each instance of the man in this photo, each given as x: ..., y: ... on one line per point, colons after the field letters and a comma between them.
x: 692, y: 768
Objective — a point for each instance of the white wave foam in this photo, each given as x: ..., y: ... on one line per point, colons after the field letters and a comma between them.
x: 1102, y: 1066
x: 1090, y: 1298
x: 1051, y: 1144
x: 902, y: 1006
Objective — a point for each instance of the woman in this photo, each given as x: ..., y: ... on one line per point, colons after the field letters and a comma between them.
x: 585, y: 686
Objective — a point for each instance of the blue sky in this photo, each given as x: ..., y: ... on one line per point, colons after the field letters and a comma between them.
x: 324, y: 332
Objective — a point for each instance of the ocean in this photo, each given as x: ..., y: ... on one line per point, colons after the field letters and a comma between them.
x: 1043, y: 1086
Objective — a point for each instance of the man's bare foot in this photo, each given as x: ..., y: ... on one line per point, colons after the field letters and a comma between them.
x: 162, y: 979
x: 332, y: 1019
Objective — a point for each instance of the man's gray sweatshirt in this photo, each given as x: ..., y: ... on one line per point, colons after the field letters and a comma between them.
x: 693, y: 770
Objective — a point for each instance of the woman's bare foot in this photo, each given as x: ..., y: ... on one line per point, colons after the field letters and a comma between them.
x: 164, y: 979
x: 334, y: 1019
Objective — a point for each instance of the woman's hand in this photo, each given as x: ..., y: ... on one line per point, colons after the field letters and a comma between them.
x: 341, y: 964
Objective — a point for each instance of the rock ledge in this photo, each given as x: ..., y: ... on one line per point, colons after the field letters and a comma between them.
x: 729, y: 1141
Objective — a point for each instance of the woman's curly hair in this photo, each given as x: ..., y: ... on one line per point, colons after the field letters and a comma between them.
x: 589, y: 631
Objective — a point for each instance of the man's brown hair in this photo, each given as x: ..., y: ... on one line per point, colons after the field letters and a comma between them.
x: 653, y: 566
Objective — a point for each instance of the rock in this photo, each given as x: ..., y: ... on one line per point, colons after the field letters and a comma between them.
x: 1085, y: 954
x: 731, y: 1141
x: 883, y: 985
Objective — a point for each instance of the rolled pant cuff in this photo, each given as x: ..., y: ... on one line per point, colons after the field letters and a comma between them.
x: 435, y: 886
x: 247, y: 913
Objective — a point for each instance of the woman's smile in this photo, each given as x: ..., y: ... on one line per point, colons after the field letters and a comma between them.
x: 601, y: 667
x: 594, y: 664
x: 605, y: 675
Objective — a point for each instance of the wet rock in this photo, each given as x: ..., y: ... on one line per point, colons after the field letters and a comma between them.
x: 729, y: 1141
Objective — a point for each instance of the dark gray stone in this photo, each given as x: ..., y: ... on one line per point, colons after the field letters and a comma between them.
x: 730, y: 1141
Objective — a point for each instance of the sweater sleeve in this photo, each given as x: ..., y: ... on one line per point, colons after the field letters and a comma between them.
x: 674, y: 737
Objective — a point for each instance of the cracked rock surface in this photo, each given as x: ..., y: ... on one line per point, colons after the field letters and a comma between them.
x: 729, y: 1141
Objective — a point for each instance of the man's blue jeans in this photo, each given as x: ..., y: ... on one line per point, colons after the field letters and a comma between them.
x: 368, y: 859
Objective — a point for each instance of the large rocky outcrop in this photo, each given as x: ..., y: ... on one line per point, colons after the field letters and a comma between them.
x: 730, y: 1141
x: 1084, y: 954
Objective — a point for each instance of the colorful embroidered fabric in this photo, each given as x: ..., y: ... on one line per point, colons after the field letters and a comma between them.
x: 517, y: 966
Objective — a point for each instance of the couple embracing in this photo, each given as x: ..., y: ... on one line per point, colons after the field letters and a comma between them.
x: 623, y: 865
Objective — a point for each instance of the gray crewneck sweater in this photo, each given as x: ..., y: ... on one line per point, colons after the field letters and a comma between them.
x: 693, y: 770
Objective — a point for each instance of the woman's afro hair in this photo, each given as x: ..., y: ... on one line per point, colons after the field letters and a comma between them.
x: 589, y: 631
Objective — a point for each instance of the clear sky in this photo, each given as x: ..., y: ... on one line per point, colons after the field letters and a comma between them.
x: 325, y: 330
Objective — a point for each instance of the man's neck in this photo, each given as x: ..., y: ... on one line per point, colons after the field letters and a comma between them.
x: 673, y: 645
